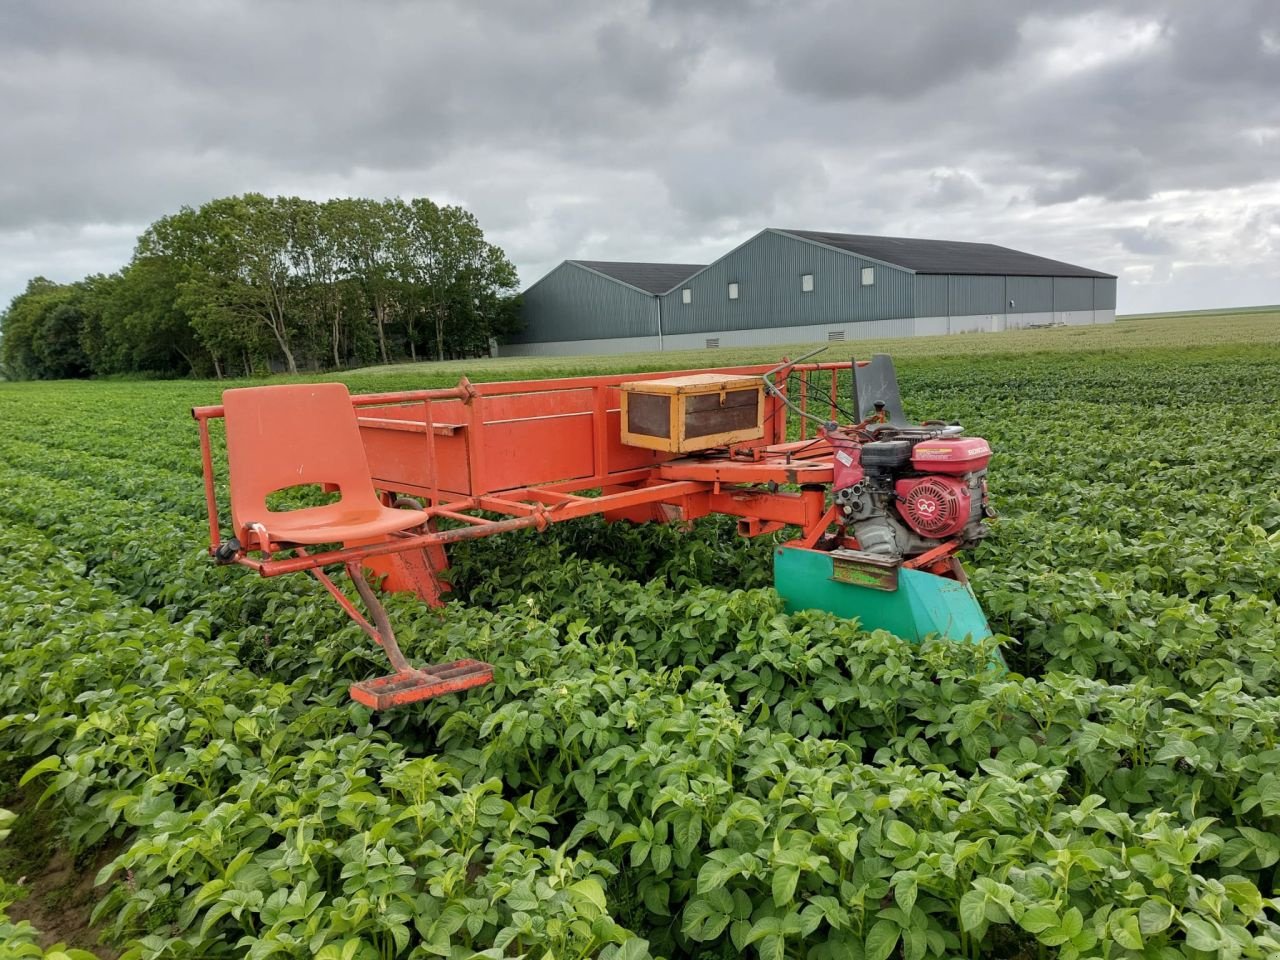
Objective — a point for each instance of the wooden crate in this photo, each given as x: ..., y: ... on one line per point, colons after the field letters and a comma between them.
x: 693, y: 412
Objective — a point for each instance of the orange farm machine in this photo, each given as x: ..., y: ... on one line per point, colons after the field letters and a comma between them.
x: 882, y: 506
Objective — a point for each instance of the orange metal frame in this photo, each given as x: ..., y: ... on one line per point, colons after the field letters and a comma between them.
x: 539, y: 452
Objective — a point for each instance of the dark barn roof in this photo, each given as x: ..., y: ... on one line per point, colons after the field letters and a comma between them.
x: 649, y: 277
x: 948, y: 256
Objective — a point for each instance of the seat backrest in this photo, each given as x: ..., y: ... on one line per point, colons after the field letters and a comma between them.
x: 289, y: 435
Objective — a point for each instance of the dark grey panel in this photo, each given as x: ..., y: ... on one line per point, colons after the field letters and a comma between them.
x: 651, y: 277
x: 1072, y: 293
x: 948, y: 256
x: 1031, y: 294
x: 1104, y: 294
x: 571, y: 303
x: 971, y: 295
x: 768, y: 270
x: 931, y: 295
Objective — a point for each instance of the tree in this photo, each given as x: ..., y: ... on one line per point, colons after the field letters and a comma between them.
x: 455, y: 272
x: 316, y: 241
x: 242, y: 283
x: 235, y: 258
x: 41, y: 329
x: 134, y: 322
x: 375, y: 248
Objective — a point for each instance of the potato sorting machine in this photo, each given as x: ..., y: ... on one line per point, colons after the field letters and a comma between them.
x: 882, y: 505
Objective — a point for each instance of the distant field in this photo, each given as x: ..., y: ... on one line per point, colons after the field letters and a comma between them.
x: 1240, y: 328
x: 1211, y: 312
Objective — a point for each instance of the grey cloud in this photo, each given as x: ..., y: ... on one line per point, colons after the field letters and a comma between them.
x: 947, y: 187
x: 1115, y: 175
x: 1143, y: 240
x: 657, y: 128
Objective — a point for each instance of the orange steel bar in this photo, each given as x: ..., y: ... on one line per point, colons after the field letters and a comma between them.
x: 504, y: 387
x: 508, y: 506
x: 590, y: 483
x: 937, y: 553
x: 552, y: 497
x: 462, y: 517
x: 804, y: 403
x: 797, y: 509
x: 814, y: 534
x: 499, y: 387
x: 433, y: 463
x: 600, y: 435
x: 344, y: 602
x: 475, y: 452
x: 630, y: 498
x: 362, y: 400
x: 481, y: 528
x: 272, y: 568
x: 210, y: 494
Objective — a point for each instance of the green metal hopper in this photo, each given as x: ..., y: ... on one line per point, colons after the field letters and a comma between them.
x: 879, y: 593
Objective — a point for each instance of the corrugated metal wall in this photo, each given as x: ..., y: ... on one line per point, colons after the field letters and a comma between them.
x: 931, y: 295
x: 1072, y: 293
x: 767, y: 270
x: 1029, y: 294
x: 1104, y: 293
x: 572, y: 303
x: 969, y: 296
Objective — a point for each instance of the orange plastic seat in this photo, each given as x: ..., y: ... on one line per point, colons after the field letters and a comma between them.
x: 295, y: 434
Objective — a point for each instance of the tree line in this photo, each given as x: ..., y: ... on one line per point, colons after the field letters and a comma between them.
x: 249, y: 284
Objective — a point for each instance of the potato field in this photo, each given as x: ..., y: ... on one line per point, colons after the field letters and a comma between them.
x: 666, y: 765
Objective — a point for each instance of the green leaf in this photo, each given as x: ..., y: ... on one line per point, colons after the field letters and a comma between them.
x: 881, y: 940
x: 637, y: 948
x: 973, y: 911
x: 772, y: 947
x: 784, y: 884
x: 900, y: 833
x: 44, y: 766
x: 1038, y: 918
x: 688, y: 831
x: 591, y: 891
x: 656, y: 896
x: 905, y: 888
x: 706, y: 920
x: 1201, y: 934
x: 1125, y: 930
x: 660, y: 857
x: 1072, y: 922
x: 1155, y: 915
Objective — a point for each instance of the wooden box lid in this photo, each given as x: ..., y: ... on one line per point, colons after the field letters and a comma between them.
x: 694, y: 383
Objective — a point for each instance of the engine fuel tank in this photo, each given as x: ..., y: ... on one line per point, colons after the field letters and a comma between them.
x: 955, y: 455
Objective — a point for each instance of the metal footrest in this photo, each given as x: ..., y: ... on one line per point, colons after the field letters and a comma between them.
x: 411, y: 686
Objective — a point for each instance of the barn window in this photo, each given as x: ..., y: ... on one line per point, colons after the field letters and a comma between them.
x: 806, y: 283
x: 835, y: 336
x: 733, y: 291
x: 868, y: 276
x: 713, y: 343
x: 686, y: 295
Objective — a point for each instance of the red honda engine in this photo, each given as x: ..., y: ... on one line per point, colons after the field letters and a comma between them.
x: 934, y: 506
x: 907, y: 494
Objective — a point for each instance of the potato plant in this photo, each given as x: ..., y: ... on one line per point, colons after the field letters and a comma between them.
x: 667, y: 764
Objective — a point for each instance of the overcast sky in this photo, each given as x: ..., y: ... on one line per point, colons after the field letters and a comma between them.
x: 1142, y: 139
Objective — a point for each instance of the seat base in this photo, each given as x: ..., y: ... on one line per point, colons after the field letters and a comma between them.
x: 333, y: 524
x: 413, y: 686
